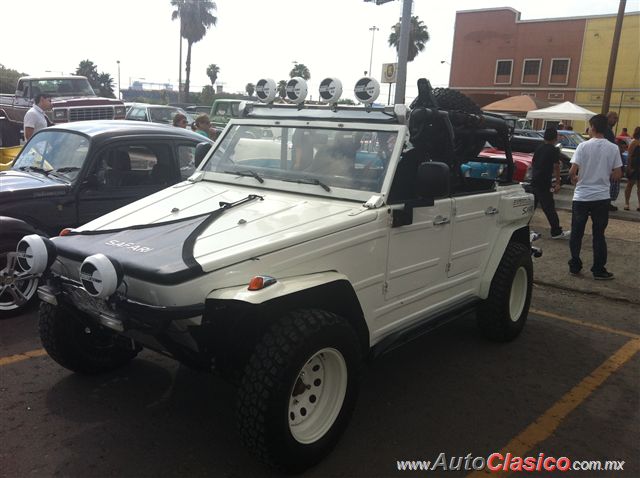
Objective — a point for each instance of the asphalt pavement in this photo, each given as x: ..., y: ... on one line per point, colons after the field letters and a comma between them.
x: 623, y: 245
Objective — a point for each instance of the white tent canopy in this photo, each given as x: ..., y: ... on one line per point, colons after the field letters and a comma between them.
x: 562, y: 111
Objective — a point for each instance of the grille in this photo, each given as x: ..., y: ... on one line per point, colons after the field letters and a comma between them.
x: 95, y: 113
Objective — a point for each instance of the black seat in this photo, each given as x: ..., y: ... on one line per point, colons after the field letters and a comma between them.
x: 119, y: 164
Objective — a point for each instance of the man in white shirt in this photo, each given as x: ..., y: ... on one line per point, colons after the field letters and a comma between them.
x: 35, y: 119
x: 594, y: 165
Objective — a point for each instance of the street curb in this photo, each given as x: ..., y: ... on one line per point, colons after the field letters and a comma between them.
x: 555, y: 285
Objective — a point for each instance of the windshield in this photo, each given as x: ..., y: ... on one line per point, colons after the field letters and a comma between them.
x: 62, y: 87
x: 570, y: 140
x: 327, y: 157
x: 163, y: 114
x: 60, y: 152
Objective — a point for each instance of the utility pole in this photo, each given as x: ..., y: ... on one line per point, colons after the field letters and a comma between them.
x: 606, y: 100
x: 373, y: 30
x: 403, y: 52
x: 119, y: 93
x: 180, y: 64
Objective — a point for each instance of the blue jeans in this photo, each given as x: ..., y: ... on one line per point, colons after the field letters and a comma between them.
x: 599, y: 212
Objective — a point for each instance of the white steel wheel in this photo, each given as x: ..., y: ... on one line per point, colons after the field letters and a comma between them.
x: 317, y: 395
x: 519, y: 293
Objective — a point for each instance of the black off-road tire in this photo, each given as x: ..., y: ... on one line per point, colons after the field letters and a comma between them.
x: 453, y: 100
x: 502, y: 316
x: 273, y: 387
x: 78, y: 345
x: 28, y: 287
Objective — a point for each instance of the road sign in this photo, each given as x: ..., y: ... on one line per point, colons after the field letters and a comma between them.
x: 389, y: 71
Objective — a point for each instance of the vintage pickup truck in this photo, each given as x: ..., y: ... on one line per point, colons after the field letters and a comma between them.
x: 73, y: 100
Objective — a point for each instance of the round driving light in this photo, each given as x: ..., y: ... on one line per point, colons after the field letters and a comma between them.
x: 266, y: 90
x: 367, y: 90
x: 100, y: 276
x: 35, y: 253
x: 296, y: 90
x: 330, y: 90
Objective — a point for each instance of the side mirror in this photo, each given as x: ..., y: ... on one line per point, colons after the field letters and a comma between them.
x: 201, y: 151
x: 433, y: 180
x: 19, y: 94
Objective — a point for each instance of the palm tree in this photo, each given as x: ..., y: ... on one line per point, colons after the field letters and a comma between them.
x: 250, y: 88
x: 90, y: 70
x: 104, y: 84
x: 195, y: 19
x: 282, y: 88
x: 418, y: 37
x: 212, y: 73
x: 301, y: 71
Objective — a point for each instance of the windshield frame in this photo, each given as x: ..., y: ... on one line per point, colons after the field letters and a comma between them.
x: 21, y: 160
x: 283, y: 185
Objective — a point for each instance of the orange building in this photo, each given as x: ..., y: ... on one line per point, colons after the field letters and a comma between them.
x: 553, y: 59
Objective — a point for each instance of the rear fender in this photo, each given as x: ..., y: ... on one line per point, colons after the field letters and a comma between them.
x: 520, y: 235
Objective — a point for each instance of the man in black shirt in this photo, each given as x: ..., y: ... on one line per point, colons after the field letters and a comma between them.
x: 546, y: 160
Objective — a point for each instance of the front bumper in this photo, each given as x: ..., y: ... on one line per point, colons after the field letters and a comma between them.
x: 172, y: 331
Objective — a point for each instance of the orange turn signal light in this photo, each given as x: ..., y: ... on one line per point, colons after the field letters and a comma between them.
x: 261, y: 282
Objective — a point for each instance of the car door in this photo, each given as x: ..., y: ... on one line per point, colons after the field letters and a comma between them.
x: 474, y: 227
x: 124, y: 172
x: 418, y: 250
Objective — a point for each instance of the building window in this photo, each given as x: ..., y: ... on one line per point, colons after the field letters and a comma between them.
x: 559, y: 74
x: 555, y: 96
x: 503, y: 72
x: 532, y: 95
x: 531, y: 71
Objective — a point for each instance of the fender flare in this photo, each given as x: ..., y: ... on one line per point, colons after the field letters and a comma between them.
x: 327, y: 290
x: 282, y: 287
x: 16, y: 228
x: 520, y: 234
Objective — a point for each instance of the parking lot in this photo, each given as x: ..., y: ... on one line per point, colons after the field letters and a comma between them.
x: 568, y: 386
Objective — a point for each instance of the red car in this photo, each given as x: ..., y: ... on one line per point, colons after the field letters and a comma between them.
x: 521, y: 162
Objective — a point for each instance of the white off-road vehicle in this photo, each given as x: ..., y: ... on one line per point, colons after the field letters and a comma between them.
x: 309, y: 239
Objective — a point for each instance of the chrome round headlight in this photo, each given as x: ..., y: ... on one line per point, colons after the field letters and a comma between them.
x: 100, y: 276
x: 35, y: 253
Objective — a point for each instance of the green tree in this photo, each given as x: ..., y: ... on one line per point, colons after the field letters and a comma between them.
x: 207, y: 95
x: 90, y: 70
x: 418, y: 37
x: 282, y: 88
x: 104, y: 85
x: 250, y: 88
x: 301, y: 71
x: 9, y: 79
x: 195, y: 19
x: 212, y: 73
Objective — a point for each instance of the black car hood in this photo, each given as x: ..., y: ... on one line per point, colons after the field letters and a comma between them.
x: 26, y: 184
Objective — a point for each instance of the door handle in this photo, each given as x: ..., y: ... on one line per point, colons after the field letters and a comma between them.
x: 439, y: 220
x: 491, y: 211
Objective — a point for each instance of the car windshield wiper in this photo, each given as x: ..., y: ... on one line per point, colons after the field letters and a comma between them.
x: 35, y: 169
x: 67, y: 169
x: 313, y: 181
x: 247, y: 172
